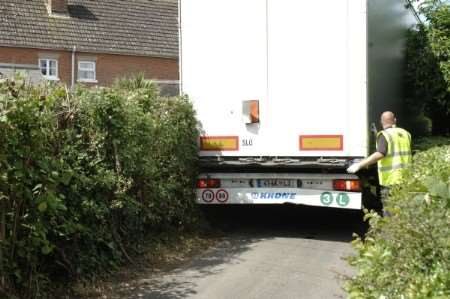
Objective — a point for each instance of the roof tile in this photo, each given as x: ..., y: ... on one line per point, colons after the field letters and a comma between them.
x: 136, y: 27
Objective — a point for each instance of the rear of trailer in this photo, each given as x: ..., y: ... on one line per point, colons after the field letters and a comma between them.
x: 286, y: 93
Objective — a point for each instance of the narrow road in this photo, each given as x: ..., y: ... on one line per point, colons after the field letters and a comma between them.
x: 289, y: 252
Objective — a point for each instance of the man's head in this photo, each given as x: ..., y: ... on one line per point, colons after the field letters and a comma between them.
x: 388, y: 119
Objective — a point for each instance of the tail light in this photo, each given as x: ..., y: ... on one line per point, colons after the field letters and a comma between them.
x: 347, y: 185
x: 208, y: 183
x: 202, y: 183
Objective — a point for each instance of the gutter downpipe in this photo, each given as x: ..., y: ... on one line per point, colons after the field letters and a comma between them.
x: 74, y: 49
x: 180, y: 45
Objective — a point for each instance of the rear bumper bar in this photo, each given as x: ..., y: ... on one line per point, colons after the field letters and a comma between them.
x: 279, y: 188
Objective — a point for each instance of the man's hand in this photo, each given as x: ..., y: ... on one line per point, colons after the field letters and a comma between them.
x: 354, y: 168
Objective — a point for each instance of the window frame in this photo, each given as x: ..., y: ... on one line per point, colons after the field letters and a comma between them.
x: 47, y: 69
x: 87, y: 80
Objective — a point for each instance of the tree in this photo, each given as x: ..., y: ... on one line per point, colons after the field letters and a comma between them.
x: 427, y: 74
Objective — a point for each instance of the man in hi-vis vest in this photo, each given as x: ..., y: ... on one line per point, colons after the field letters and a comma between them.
x: 393, y: 153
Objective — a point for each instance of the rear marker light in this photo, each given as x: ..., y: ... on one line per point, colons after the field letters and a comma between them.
x: 208, y: 183
x: 347, y: 185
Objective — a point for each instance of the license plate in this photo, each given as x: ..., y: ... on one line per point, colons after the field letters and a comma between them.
x: 275, y: 183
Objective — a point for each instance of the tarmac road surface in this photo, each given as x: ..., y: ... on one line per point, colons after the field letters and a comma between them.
x: 277, y: 252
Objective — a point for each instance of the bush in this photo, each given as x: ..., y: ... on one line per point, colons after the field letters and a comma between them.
x: 418, y: 124
x: 423, y: 144
x: 85, y: 175
x: 407, y: 255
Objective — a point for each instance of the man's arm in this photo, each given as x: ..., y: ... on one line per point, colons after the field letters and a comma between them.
x: 382, y: 149
x: 372, y: 159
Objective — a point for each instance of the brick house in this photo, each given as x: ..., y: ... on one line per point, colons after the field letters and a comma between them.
x: 90, y: 42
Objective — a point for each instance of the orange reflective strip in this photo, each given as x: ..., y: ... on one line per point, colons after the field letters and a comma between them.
x: 219, y: 143
x: 321, y: 142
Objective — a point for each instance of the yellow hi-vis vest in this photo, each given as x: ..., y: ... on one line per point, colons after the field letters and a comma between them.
x: 391, y: 168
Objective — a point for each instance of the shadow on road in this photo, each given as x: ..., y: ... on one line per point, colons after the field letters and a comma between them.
x: 326, y: 224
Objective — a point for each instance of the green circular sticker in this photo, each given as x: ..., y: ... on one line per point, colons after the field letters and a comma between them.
x: 343, y: 199
x: 326, y: 198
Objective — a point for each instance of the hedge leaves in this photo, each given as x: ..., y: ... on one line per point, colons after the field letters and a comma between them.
x: 407, y: 255
x: 85, y: 175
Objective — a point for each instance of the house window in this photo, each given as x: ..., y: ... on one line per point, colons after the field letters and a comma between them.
x: 49, y: 68
x: 86, y: 71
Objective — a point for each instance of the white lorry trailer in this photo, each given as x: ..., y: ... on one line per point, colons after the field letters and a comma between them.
x: 286, y: 92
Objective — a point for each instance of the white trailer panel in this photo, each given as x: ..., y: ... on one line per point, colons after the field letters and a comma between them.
x: 291, y: 56
x: 317, y: 75
x: 223, y: 61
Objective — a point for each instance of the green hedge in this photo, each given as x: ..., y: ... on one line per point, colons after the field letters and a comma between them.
x: 85, y: 175
x: 407, y: 255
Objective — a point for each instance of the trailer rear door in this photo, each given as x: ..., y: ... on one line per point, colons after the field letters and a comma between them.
x: 302, y: 63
